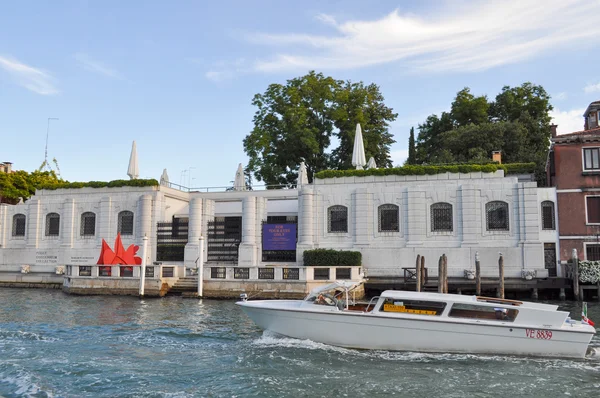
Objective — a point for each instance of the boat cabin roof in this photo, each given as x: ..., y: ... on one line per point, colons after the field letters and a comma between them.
x: 459, y: 298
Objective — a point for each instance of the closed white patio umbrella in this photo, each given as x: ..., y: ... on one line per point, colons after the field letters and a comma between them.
x: 302, y: 175
x: 358, y: 154
x: 371, y: 164
x: 239, y: 184
x: 133, y: 171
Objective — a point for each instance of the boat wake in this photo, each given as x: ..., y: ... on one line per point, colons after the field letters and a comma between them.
x: 270, y: 339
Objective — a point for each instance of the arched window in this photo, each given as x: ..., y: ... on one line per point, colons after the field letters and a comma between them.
x: 388, y: 218
x: 18, y: 227
x: 441, y: 217
x: 548, y: 215
x: 338, y: 219
x: 52, y: 224
x: 88, y: 224
x: 497, y: 216
x: 125, y: 223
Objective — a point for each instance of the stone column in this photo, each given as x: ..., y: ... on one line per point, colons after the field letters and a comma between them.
x: 33, y: 223
x: 145, y: 218
x: 247, y: 250
x: 417, y: 221
x: 261, y: 214
x: 67, y: 221
x: 192, y: 248
x: 470, y: 215
x: 363, y: 217
x: 2, y: 225
x: 306, y: 230
x: 104, y: 221
x: 144, y: 215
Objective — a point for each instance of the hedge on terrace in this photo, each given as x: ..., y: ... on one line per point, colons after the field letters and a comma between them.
x: 512, y: 168
x: 332, y: 258
x: 102, y: 184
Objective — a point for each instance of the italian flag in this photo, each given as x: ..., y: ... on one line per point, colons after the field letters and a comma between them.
x: 584, y: 318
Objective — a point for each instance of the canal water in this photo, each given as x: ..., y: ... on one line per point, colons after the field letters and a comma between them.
x: 54, y: 345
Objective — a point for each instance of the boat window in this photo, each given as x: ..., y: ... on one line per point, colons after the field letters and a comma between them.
x: 471, y: 311
x: 417, y: 307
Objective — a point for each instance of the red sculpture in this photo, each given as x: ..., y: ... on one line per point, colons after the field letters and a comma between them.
x: 120, y: 256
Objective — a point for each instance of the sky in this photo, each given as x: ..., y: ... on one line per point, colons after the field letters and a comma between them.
x: 179, y: 77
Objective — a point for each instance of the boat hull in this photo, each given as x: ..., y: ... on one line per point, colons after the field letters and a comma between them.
x: 379, y: 332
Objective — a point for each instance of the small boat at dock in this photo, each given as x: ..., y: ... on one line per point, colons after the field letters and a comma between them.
x: 424, y: 322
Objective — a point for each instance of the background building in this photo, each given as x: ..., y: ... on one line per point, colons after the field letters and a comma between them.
x: 574, y: 169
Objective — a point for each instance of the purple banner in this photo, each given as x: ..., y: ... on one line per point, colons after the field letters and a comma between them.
x: 279, y: 236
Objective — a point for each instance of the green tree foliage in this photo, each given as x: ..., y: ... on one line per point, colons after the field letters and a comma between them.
x: 517, y: 123
x: 357, y: 103
x: 295, y: 122
x: 22, y: 184
x: 412, y: 151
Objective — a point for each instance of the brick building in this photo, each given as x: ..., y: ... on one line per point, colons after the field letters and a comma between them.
x: 574, y: 169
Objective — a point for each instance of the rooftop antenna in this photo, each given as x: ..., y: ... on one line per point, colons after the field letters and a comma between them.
x: 46, y: 164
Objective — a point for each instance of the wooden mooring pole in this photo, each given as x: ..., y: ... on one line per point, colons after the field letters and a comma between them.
x: 575, y: 259
x: 423, y: 272
x: 445, y: 262
x: 441, y: 275
x: 418, y: 270
x: 477, y: 275
x: 501, y: 276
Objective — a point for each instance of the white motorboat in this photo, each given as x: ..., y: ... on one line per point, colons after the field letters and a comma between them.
x: 425, y: 322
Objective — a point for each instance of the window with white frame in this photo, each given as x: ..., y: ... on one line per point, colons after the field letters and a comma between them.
x: 88, y: 224
x: 388, y: 218
x: 18, y: 226
x: 52, y: 224
x: 592, y: 208
x: 497, y: 216
x: 338, y: 219
x: 591, y: 159
x: 441, y: 217
x: 548, y: 221
x: 592, y: 251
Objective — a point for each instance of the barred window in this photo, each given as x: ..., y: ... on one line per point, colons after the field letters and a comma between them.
x: 497, y: 216
x: 18, y: 227
x: 88, y: 224
x: 388, y: 218
x: 338, y: 219
x: 441, y: 217
x: 125, y: 223
x: 548, y: 215
x: 52, y: 224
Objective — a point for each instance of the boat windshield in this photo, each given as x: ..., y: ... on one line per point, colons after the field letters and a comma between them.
x: 331, y: 295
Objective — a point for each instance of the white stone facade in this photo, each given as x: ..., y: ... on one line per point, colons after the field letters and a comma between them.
x: 385, y: 250
x: 43, y: 252
x: 385, y: 253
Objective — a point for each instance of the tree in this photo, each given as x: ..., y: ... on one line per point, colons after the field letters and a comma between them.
x: 294, y: 123
x: 468, y: 109
x: 21, y: 184
x: 517, y: 123
x: 412, y: 154
x: 357, y: 103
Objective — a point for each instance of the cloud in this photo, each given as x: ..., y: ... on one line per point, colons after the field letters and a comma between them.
x: 560, y: 96
x: 592, y: 88
x: 91, y: 65
x: 224, y: 70
x: 31, y: 78
x: 467, y: 36
x: 568, y: 121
